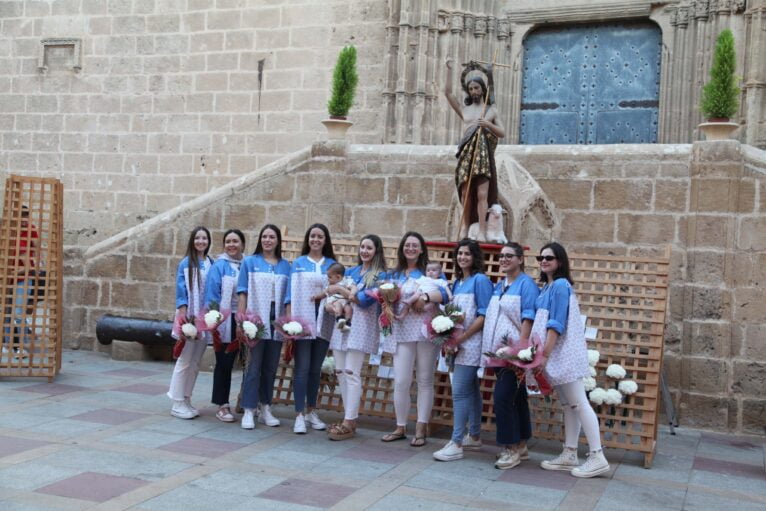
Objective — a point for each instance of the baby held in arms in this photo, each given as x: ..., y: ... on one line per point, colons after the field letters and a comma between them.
x: 431, y: 282
x: 337, y: 304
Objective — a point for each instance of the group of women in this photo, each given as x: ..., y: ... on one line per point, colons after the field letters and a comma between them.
x: 514, y: 309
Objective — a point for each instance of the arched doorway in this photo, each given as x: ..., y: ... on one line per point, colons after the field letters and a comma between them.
x: 591, y: 84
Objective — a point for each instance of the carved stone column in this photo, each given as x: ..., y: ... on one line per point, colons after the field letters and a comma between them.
x: 754, y: 97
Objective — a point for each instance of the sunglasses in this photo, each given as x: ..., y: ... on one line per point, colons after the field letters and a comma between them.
x: 507, y: 256
x: 545, y: 258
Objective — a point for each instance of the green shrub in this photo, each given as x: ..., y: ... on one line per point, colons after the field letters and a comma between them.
x: 344, y: 80
x: 720, y: 96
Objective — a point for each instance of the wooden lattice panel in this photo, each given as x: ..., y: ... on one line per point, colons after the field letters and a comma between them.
x: 31, y: 256
x: 624, y: 299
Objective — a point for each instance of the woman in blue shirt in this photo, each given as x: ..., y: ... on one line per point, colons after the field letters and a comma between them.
x: 509, y: 318
x: 262, y: 287
x: 471, y: 292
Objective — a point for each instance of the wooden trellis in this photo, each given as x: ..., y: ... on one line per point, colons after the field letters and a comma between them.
x: 31, y: 256
x: 624, y: 299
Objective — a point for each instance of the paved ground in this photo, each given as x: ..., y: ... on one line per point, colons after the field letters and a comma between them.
x: 101, y: 438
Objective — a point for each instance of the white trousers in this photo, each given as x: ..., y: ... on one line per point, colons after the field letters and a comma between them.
x: 578, y: 413
x: 186, y: 370
x: 407, y: 354
x: 348, y: 368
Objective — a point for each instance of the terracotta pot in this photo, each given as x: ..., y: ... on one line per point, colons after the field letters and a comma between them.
x: 336, y: 128
x: 714, y: 130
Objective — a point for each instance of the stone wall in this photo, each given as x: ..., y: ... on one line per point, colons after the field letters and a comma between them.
x: 172, y: 98
x: 706, y: 201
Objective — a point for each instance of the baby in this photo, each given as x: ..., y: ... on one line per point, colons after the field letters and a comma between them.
x: 336, y: 304
x: 431, y: 282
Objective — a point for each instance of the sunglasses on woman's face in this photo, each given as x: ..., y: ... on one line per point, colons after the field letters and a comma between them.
x: 506, y: 256
x: 546, y: 258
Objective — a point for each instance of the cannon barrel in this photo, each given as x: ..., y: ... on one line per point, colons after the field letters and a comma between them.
x: 150, y: 332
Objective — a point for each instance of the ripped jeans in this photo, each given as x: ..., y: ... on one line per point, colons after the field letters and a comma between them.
x: 348, y: 368
x: 577, y: 413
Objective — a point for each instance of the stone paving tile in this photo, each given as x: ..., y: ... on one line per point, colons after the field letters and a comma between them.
x: 359, y: 470
x: 66, y: 428
x: 445, y: 482
x: 114, y: 463
x: 238, y: 482
x: 51, y: 389
x: 309, y: 493
x: 742, y: 452
x: 206, y: 447
x: 696, y: 501
x: 184, y: 427
x: 407, y: 502
x: 109, y: 416
x: 23, y: 421
x: 382, y: 453
x: 664, y: 467
x: 524, y: 494
x: 146, y: 389
x: 234, y: 433
x: 193, y: 498
x: 131, y: 372
x: 33, y: 474
x: 746, y: 485
x: 12, y: 445
x: 530, y: 473
x: 286, y: 459
x: 61, y: 409
x: 624, y: 496
x: 729, y: 468
x: 93, y: 486
x: 144, y: 438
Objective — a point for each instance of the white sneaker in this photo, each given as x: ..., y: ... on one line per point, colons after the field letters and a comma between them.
x: 567, y: 460
x: 469, y: 444
x: 181, y: 411
x: 187, y: 400
x: 300, y: 424
x: 508, y: 459
x: 266, y: 417
x: 248, y: 420
x: 340, y: 323
x: 316, y: 423
x: 524, y: 453
x: 595, y: 465
x: 449, y: 452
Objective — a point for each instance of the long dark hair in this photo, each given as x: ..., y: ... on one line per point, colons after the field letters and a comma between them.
x: 278, y: 249
x: 327, y: 250
x: 561, y: 256
x: 518, y: 250
x: 478, y: 257
x: 378, y: 263
x: 239, y: 233
x: 193, y: 258
x: 477, y: 79
x: 401, y: 261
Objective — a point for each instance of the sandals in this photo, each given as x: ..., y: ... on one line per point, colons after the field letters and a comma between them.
x: 341, y: 432
x: 418, y: 441
x: 224, y: 414
x: 393, y: 437
x: 420, y: 435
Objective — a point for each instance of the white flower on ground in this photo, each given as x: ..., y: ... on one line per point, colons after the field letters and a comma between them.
x: 526, y: 355
x: 189, y: 330
x: 590, y: 383
x: 597, y: 396
x: 613, y: 397
x: 593, y: 371
x: 593, y: 356
x: 627, y: 387
x: 250, y: 329
x: 616, y: 371
x: 292, y: 328
x: 212, y: 318
x: 441, y: 324
x: 328, y: 366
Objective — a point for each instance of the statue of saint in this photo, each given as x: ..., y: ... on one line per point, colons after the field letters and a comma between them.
x: 475, y: 174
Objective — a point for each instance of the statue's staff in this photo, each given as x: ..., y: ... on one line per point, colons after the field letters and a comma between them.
x: 477, y: 136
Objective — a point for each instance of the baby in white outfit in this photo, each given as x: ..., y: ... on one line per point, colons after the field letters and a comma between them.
x: 431, y: 282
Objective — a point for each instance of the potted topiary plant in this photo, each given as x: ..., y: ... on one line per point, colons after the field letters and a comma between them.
x: 344, y: 80
x: 720, y: 96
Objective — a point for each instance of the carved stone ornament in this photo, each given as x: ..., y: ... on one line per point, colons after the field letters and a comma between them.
x: 683, y: 17
x: 701, y: 9
x: 481, y: 27
x: 739, y: 5
x: 468, y: 23
x: 442, y: 20
x: 503, y: 28
x: 70, y: 46
x: 673, y: 17
x: 456, y: 22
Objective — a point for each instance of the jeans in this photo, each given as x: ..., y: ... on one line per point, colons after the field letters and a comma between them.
x: 578, y: 414
x: 19, y: 301
x: 309, y: 356
x: 409, y: 355
x: 511, y: 409
x: 186, y: 370
x: 466, y: 402
x: 258, y: 382
x: 348, y: 368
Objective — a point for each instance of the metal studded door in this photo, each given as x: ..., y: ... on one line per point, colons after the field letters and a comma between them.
x: 591, y: 84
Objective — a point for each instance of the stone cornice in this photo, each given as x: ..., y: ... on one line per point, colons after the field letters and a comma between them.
x: 584, y: 12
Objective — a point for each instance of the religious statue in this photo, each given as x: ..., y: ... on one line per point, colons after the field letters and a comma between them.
x: 475, y: 174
